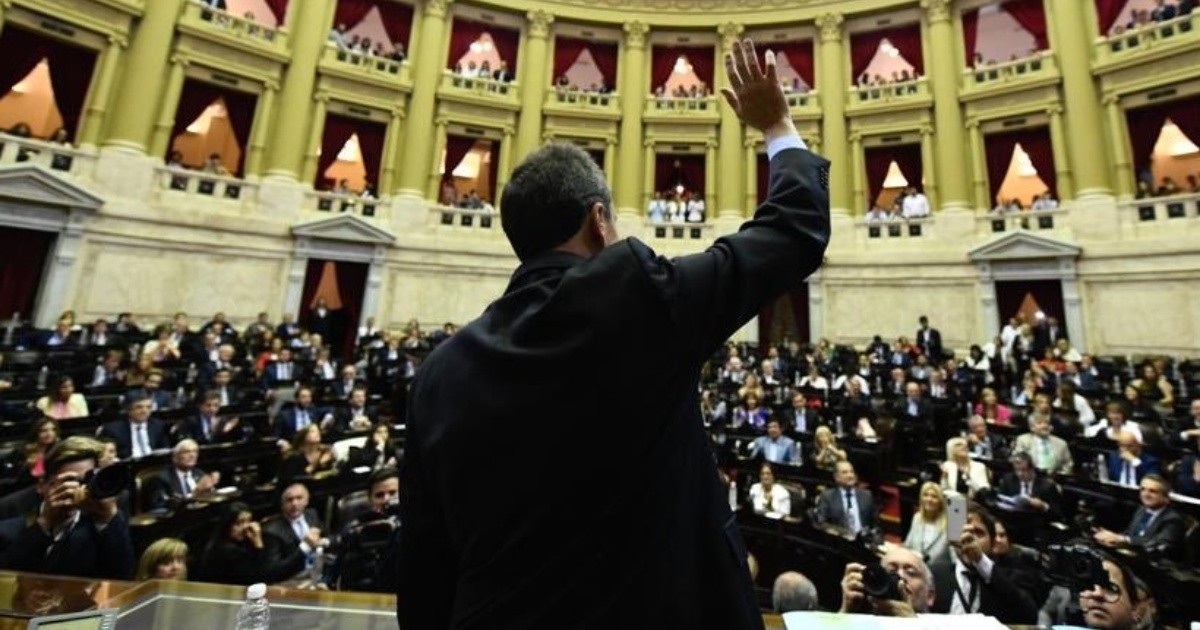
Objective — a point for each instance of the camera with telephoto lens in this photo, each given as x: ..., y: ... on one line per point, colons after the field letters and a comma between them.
x: 1076, y: 566
x: 107, y: 482
x: 880, y: 583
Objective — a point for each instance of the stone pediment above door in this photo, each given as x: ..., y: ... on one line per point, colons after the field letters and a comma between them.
x: 1018, y: 246
x: 30, y: 184
x: 346, y: 228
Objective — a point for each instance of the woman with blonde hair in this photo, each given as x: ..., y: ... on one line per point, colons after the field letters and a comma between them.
x: 927, y: 535
x: 826, y: 453
x: 959, y: 472
x: 752, y: 387
x: 165, y: 559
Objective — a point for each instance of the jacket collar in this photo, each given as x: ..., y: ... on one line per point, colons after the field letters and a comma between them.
x: 552, y: 259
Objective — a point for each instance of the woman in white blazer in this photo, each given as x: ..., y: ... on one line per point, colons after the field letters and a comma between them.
x: 766, y: 496
x: 927, y: 534
x: 63, y: 403
x: 959, y: 472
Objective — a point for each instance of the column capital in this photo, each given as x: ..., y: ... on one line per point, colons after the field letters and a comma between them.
x: 856, y: 137
x: 321, y: 97
x: 1057, y: 109
x: 548, y: 137
x: 711, y: 143
x: 437, y: 8
x: 830, y: 25
x: 972, y: 123
x: 926, y: 130
x: 398, y: 113
x: 114, y: 39
x: 635, y: 34
x: 937, y: 10
x: 272, y: 85
x: 539, y: 23
x: 180, y: 60
x: 509, y: 131
x: 648, y: 143
x: 1108, y: 98
x: 749, y: 143
x: 611, y: 141
x: 730, y: 32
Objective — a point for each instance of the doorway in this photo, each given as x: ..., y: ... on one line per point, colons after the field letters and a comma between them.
x: 341, y: 286
x: 22, y: 269
x: 786, y: 318
x: 1030, y: 298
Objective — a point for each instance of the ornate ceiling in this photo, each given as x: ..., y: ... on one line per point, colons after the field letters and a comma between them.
x: 699, y: 13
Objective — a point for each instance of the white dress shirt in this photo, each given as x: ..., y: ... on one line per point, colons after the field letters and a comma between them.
x: 916, y: 206
x: 982, y: 569
x: 140, y: 439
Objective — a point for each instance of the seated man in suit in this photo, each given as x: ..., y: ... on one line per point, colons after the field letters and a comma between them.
x: 227, y: 393
x: 138, y: 435
x: 152, y: 389
x: 1128, y: 465
x: 982, y: 443
x: 297, y: 524
x: 846, y: 505
x: 1039, y: 493
x: 282, y: 372
x: 776, y: 447
x: 1187, y: 435
x: 299, y: 415
x: 349, y: 381
x: 108, y: 373
x: 207, y: 427
x: 182, y: 480
x: 974, y: 583
x: 71, y: 534
x: 802, y: 419
x: 914, y: 416
x: 357, y: 416
x: 357, y: 561
x: 1048, y: 452
x: 1156, y: 527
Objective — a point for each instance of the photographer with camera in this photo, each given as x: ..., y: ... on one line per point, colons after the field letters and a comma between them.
x: 1124, y: 602
x: 901, y: 585
x: 974, y: 583
x: 78, y: 529
x: 367, y: 547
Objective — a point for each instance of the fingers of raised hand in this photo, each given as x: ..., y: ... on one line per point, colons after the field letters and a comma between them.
x: 735, y: 79
x: 752, y: 65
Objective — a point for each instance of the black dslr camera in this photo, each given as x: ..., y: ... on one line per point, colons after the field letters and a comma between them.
x: 107, y: 482
x: 880, y: 583
x: 1077, y: 566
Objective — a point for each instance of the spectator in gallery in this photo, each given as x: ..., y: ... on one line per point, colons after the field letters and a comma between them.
x: 1144, y: 190
x: 398, y: 53
x: 215, y: 166
x: 20, y: 130
x: 658, y: 208
x: 337, y: 36
x: 1167, y: 187
x: 915, y: 204
x: 877, y: 215
x: 1162, y: 11
x: 695, y: 209
x: 502, y: 73
x: 1044, y: 201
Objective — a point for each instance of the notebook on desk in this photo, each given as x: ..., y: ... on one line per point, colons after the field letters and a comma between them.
x: 90, y: 620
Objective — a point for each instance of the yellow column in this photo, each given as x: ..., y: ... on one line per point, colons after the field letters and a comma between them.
x: 750, y: 147
x: 506, y: 157
x: 387, y: 169
x: 859, y: 175
x: 534, y: 79
x: 928, y: 149
x: 1071, y: 34
x: 945, y: 71
x: 261, y: 129
x: 832, y: 81
x: 161, y: 139
x: 310, y: 21
x: 634, y: 158
x: 433, y: 187
x: 648, y: 184
x: 1122, y: 160
x: 4, y: 4
x: 610, y: 160
x: 710, y: 177
x: 312, y: 152
x: 1062, y: 159
x: 145, y: 75
x: 730, y: 150
x: 419, y: 157
x: 979, y: 181
x: 101, y: 90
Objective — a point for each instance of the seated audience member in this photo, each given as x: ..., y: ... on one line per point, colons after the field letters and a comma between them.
x: 991, y: 409
x: 27, y: 464
x: 239, y: 552
x: 814, y: 380
x: 1031, y: 489
x: 61, y: 337
x: 1156, y: 527
x: 299, y: 415
x: 367, y: 554
x: 914, y: 407
x: 1023, y: 564
x: 1128, y: 465
x: 325, y: 368
x: 973, y: 583
x: 768, y: 497
x: 1187, y: 434
x: 920, y: 370
x: 208, y: 427
x: 377, y: 452
x: 182, y: 480
x: 927, y: 534
x: 1069, y: 400
x: 282, y: 372
x: 939, y: 389
x: 1049, y: 452
x: 775, y: 447
x: 916, y: 586
x: 1138, y: 409
x: 915, y: 205
x: 750, y: 414
x: 804, y: 420
x: 152, y: 389
x: 343, y: 387
x: 138, y: 435
x: 297, y: 525
x: 308, y: 456
x: 163, y: 347
x: 164, y: 559
x: 71, y: 534
x: 793, y: 592
x: 846, y: 505
x: 984, y: 444
x: 109, y: 372
x: 1154, y: 386
x: 227, y: 394
x: 1116, y: 424
x: 959, y: 472
x: 1125, y: 603
x: 64, y: 403
x: 357, y: 416
x: 856, y: 406
x: 712, y: 408
x: 1188, y: 482
x: 826, y: 453
x: 752, y: 387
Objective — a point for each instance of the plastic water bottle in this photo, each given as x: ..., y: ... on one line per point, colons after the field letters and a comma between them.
x: 733, y: 498
x: 43, y: 376
x: 838, y: 424
x: 1101, y: 468
x: 256, y: 612
x: 318, y: 566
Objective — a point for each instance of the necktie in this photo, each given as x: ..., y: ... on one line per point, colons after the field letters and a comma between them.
x: 143, y: 445
x: 224, y: 397
x: 801, y: 424
x: 1143, y: 522
x: 1127, y: 478
x: 1046, y: 460
x: 973, y: 591
x: 1025, y: 488
x: 188, y: 486
x: 851, y: 513
x: 301, y: 419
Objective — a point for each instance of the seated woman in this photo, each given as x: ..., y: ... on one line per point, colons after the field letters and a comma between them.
x: 377, y: 452
x: 27, y: 465
x: 1069, y: 400
x: 927, y: 535
x: 239, y: 552
x: 1154, y: 387
x: 164, y: 559
x: 162, y: 348
x: 1140, y: 409
x: 751, y: 414
x: 826, y: 453
x: 959, y: 472
x: 991, y: 410
x: 63, y: 403
x: 768, y: 497
x: 308, y: 455
x: 814, y: 380
x: 752, y: 387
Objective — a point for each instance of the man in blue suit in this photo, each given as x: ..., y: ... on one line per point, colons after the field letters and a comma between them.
x: 776, y: 447
x: 139, y: 434
x: 1128, y: 464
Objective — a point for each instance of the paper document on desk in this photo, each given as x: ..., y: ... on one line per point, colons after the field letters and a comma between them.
x: 1012, y: 502
x: 840, y: 621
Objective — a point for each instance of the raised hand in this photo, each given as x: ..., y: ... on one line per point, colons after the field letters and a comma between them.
x: 755, y: 94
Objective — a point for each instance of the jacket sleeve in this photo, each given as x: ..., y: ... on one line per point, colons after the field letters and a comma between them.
x: 114, y: 549
x: 1017, y: 606
x: 713, y: 293
x: 28, y: 551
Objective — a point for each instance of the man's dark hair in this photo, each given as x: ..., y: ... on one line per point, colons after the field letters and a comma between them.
x: 548, y: 197
x: 985, y: 517
x: 383, y: 474
x: 1022, y: 457
x: 1160, y: 480
x: 134, y: 397
x: 210, y: 395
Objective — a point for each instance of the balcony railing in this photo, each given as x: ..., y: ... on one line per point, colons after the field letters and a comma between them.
x: 700, y: 107
x: 180, y: 181
x: 1163, y: 209
x: 1033, y: 221
x: 206, y: 20
x: 801, y: 103
x: 488, y: 87
x: 680, y: 231
x: 890, y: 92
x: 575, y: 99
x: 344, y: 202
x: 1038, y: 65
x: 56, y: 157
x: 1155, y: 36
x: 465, y: 220
x: 366, y: 66
x: 896, y: 228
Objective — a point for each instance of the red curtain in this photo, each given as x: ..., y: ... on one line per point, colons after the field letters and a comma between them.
x: 1107, y: 12
x: 466, y: 32
x: 371, y: 136
x: 338, y: 130
x: 1031, y: 15
x: 1145, y: 125
x: 493, y: 172
x: 1035, y: 142
x: 351, y: 285
x: 664, y: 58
x: 197, y: 96
x: 21, y: 268
x: 278, y: 9
x: 70, y: 70
x: 906, y: 39
x: 970, y: 24
x: 567, y: 50
x: 351, y: 12
x: 877, y: 159
x: 457, y: 148
x: 398, y: 20
x: 800, y: 56
x: 21, y: 51
x: 764, y: 176
x: 689, y: 172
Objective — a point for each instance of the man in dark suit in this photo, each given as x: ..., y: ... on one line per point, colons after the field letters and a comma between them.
x: 349, y: 381
x: 1045, y: 336
x: 281, y: 372
x: 984, y: 444
x: 357, y: 415
x: 299, y: 415
x: 1186, y: 436
x: 974, y: 583
x: 1128, y: 465
x: 499, y: 386
x: 287, y: 328
x: 70, y: 534
x: 297, y: 525
x: 1037, y: 493
x: 802, y: 419
x: 222, y: 384
x: 207, y: 427
x: 929, y: 340
x: 322, y: 321
x: 152, y: 389
x: 1156, y: 526
x: 138, y: 435
x: 182, y: 480
x: 846, y: 505
x: 914, y: 426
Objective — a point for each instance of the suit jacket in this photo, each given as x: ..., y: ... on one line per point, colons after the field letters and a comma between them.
x: 1116, y: 466
x: 1165, y: 532
x: 271, y: 379
x: 831, y: 508
x: 344, y: 416
x: 999, y: 598
x: 287, y: 331
x: 284, y: 426
x: 323, y: 326
x: 228, y: 562
x: 465, y: 541
x: 156, y: 434
x: 166, y: 486
x: 162, y: 400
x: 281, y: 528
x: 339, y: 390
x: 924, y: 415
x: 84, y: 552
x: 194, y: 427
x: 931, y: 343
x: 1043, y: 489
x: 1059, y: 451
x: 996, y: 445
x: 788, y: 450
x: 812, y: 420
